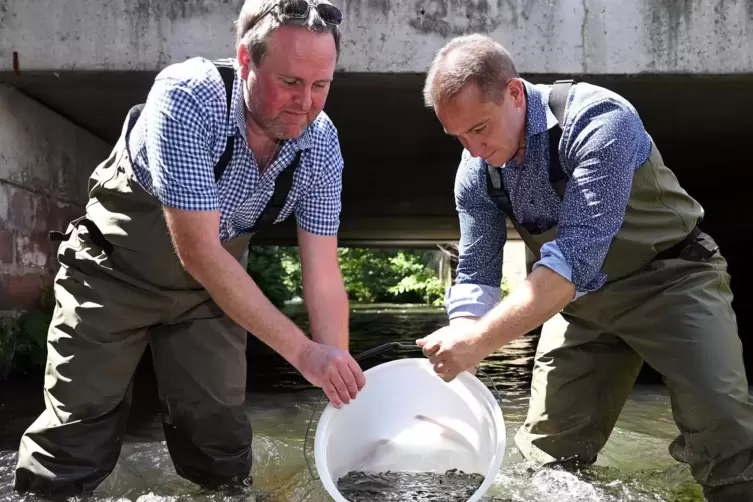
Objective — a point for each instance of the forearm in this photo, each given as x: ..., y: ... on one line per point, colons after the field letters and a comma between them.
x: 327, y: 306
x: 240, y: 298
x: 539, y: 297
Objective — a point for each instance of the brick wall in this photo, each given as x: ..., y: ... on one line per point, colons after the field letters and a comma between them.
x: 45, y: 162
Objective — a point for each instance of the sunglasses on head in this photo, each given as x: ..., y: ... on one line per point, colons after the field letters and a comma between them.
x: 300, y: 9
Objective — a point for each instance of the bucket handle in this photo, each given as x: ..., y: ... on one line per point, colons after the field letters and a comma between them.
x: 374, y: 351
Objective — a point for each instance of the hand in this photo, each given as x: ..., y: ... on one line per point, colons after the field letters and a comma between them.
x: 334, y: 370
x: 453, y: 349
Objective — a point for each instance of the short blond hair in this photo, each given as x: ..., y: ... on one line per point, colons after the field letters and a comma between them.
x: 468, y: 59
x: 258, y: 19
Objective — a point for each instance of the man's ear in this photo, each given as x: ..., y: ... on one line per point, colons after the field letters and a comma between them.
x: 244, y: 61
x: 517, y: 91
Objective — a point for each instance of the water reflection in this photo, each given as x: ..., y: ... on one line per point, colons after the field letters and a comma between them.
x: 634, y: 466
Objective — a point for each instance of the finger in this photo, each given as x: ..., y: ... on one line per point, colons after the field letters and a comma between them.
x: 449, y: 374
x: 332, y: 395
x: 440, y: 367
x: 355, y: 368
x: 350, y: 380
x: 340, y: 386
x: 431, y: 346
x: 421, y: 341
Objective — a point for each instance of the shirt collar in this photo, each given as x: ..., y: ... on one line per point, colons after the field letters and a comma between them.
x: 238, y: 105
x: 539, y: 116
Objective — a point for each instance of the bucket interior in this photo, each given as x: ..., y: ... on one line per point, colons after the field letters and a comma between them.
x: 407, y: 419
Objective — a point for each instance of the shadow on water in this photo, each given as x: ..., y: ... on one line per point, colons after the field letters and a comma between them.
x: 634, y: 466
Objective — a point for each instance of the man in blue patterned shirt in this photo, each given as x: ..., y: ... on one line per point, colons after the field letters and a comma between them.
x: 614, y: 247
x: 218, y: 151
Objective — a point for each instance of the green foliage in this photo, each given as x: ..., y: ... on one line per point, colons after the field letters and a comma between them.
x: 386, y: 275
x: 268, y: 267
x: 370, y: 275
x: 23, y: 337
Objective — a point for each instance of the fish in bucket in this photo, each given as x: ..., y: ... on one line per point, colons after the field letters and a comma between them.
x: 408, y: 425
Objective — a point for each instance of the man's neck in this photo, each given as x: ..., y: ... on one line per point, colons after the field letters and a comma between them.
x: 262, y: 144
x: 521, y: 153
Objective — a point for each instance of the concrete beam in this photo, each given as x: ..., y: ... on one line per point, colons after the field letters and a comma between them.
x: 44, y: 166
x: 545, y: 36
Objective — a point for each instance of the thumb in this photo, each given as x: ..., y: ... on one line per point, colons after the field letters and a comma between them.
x: 421, y: 342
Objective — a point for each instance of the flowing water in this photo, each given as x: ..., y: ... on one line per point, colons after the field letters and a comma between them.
x: 634, y: 466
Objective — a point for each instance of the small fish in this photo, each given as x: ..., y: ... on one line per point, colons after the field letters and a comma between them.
x: 448, y: 432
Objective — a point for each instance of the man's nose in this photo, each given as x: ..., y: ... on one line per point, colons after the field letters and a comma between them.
x: 303, y: 98
x: 475, y: 147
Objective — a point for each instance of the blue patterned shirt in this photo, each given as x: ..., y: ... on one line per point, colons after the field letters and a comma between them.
x: 182, y: 133
x: 603, y: 143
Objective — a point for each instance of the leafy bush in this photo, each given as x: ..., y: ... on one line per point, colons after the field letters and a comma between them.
x: 370, y: 275
x: 265, y: 268
x: 23, y: 337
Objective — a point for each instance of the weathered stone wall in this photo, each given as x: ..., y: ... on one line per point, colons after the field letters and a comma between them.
x: 545, y: 36
x: 44, y: 165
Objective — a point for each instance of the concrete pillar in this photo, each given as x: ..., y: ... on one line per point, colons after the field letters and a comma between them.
x: 45, y: 162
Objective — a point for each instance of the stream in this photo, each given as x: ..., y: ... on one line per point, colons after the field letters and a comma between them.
x: 634, y: 466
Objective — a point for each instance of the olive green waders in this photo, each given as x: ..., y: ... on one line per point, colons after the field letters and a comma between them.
x: 115, y: 295
x: 667, y: 301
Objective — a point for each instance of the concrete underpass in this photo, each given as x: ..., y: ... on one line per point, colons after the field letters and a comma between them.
x: 69, y: 72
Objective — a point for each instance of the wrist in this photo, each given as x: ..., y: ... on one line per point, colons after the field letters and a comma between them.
x: 484, y: 338
x: 300, y: 350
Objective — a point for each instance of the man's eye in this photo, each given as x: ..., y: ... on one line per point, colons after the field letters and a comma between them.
x: 479, y: 130
x: 290, y: 81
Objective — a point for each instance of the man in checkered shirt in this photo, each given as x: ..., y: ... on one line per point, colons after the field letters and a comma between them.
x: 218, y: 151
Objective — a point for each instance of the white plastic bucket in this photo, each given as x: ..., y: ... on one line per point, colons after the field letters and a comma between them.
x: 408, y: 419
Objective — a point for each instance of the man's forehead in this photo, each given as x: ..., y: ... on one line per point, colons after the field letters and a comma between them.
x: 461, y: 113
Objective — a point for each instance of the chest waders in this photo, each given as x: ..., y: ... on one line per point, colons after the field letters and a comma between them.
x: 667, y: 301
x: 119, y: 287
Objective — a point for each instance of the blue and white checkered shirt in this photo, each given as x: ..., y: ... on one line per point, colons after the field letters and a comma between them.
x: 182, y: 133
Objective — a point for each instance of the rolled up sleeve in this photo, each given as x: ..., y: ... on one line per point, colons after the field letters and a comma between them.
x: 483, y: 233
x: 606, y: 144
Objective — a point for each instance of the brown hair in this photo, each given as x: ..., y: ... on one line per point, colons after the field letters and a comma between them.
x: 475, y: 59
x: 259, y: 18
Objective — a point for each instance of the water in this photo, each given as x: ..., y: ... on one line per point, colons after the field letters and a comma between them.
x: 633, y: 467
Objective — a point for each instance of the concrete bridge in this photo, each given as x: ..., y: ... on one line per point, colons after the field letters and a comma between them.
x: 70, y: 70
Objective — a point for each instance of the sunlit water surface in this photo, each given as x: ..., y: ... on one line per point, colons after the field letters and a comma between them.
x: 633, y: 467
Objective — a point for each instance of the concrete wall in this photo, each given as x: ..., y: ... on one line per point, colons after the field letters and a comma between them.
x: 550, y: 36
x: 44, y: 165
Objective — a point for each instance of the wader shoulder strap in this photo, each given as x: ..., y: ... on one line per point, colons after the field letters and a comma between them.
x: 557, y: 103
x: 497, y: 192
x: 283, y: 183
x: 557, y: 178
x: 227, y: 72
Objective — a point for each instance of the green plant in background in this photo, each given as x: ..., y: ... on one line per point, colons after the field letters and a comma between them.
x: 9, y: 335
x: 418, y: 281
x: 23, y: 337
x: 370, y: 275
x: 266, y: 269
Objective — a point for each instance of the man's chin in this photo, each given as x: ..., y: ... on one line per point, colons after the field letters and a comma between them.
x: 289, y: 131
x: 494, y: 160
